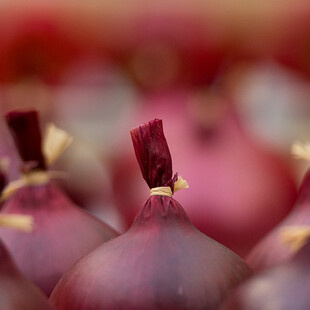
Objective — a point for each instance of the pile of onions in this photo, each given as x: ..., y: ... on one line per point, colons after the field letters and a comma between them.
x: 63, y: 232
x: 162, y: 261
x: 17, y: 292
x: 284, y: 287
x: 271, y: 250
x: 248, y: 189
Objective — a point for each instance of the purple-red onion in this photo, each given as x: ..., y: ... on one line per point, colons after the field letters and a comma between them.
x: 284, y: 287
x: 162, y: 261
x: 17, y: 292
x: 271, y: 250
x: 63, y: 232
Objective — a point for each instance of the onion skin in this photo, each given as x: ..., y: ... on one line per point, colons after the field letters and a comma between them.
x: 16, y: 292
x: 284, y: 287
x: 63, y: 233
x: 162, y: 262
x: 271, y: 250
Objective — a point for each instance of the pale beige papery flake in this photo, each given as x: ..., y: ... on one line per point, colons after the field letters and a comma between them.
x: 180, y: 184
x: 16, y: 221
x: 166, y: 190
x: 301, y: 150
x: 55, y: 143
x: 295, y: 237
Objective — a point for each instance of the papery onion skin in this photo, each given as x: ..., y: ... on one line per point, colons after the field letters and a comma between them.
x: 16, y: 292
x: 162, y: 262
x: 284, y: 287
x: 63, y: 232
x: 271, y: 250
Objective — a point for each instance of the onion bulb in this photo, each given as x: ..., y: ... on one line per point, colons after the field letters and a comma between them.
x: 285, y: 287
x: 271, y: 250
x: 63, y: 232
x: 162, y: 261
x: 17, y: 292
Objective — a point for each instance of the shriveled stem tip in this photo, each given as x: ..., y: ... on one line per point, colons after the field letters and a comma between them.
x: 152, y: 153
x: 25, y: 129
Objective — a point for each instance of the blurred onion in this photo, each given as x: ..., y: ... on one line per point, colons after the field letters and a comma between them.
x: 63, y: 232
x: 16, y: 292
x: 284, y: 287
x: 271, y: 250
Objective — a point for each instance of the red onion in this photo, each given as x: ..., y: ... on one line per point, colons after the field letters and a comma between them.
x: 16, y: 292
x: 292, y: 48
x: 271, y: 250
x: 162, y: 261
x: 285, y: 287
x: 248, y: 189
x: 35, y: 47
x: 160, y: 51
x: 63, y: 232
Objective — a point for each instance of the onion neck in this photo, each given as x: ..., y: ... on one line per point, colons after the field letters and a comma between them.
x: 161, y: 211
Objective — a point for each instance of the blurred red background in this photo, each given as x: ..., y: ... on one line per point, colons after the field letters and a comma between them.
x: 230, y: 81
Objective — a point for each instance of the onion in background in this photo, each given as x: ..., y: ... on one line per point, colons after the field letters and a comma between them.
x: 271, y: 250
x: 63, y: 232
x: 284, y: 287
x: 16, y: 292
x: 161, y: 52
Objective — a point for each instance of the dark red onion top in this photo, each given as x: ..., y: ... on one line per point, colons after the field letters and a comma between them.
x: 152, y: 153
x: 25, y: 129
